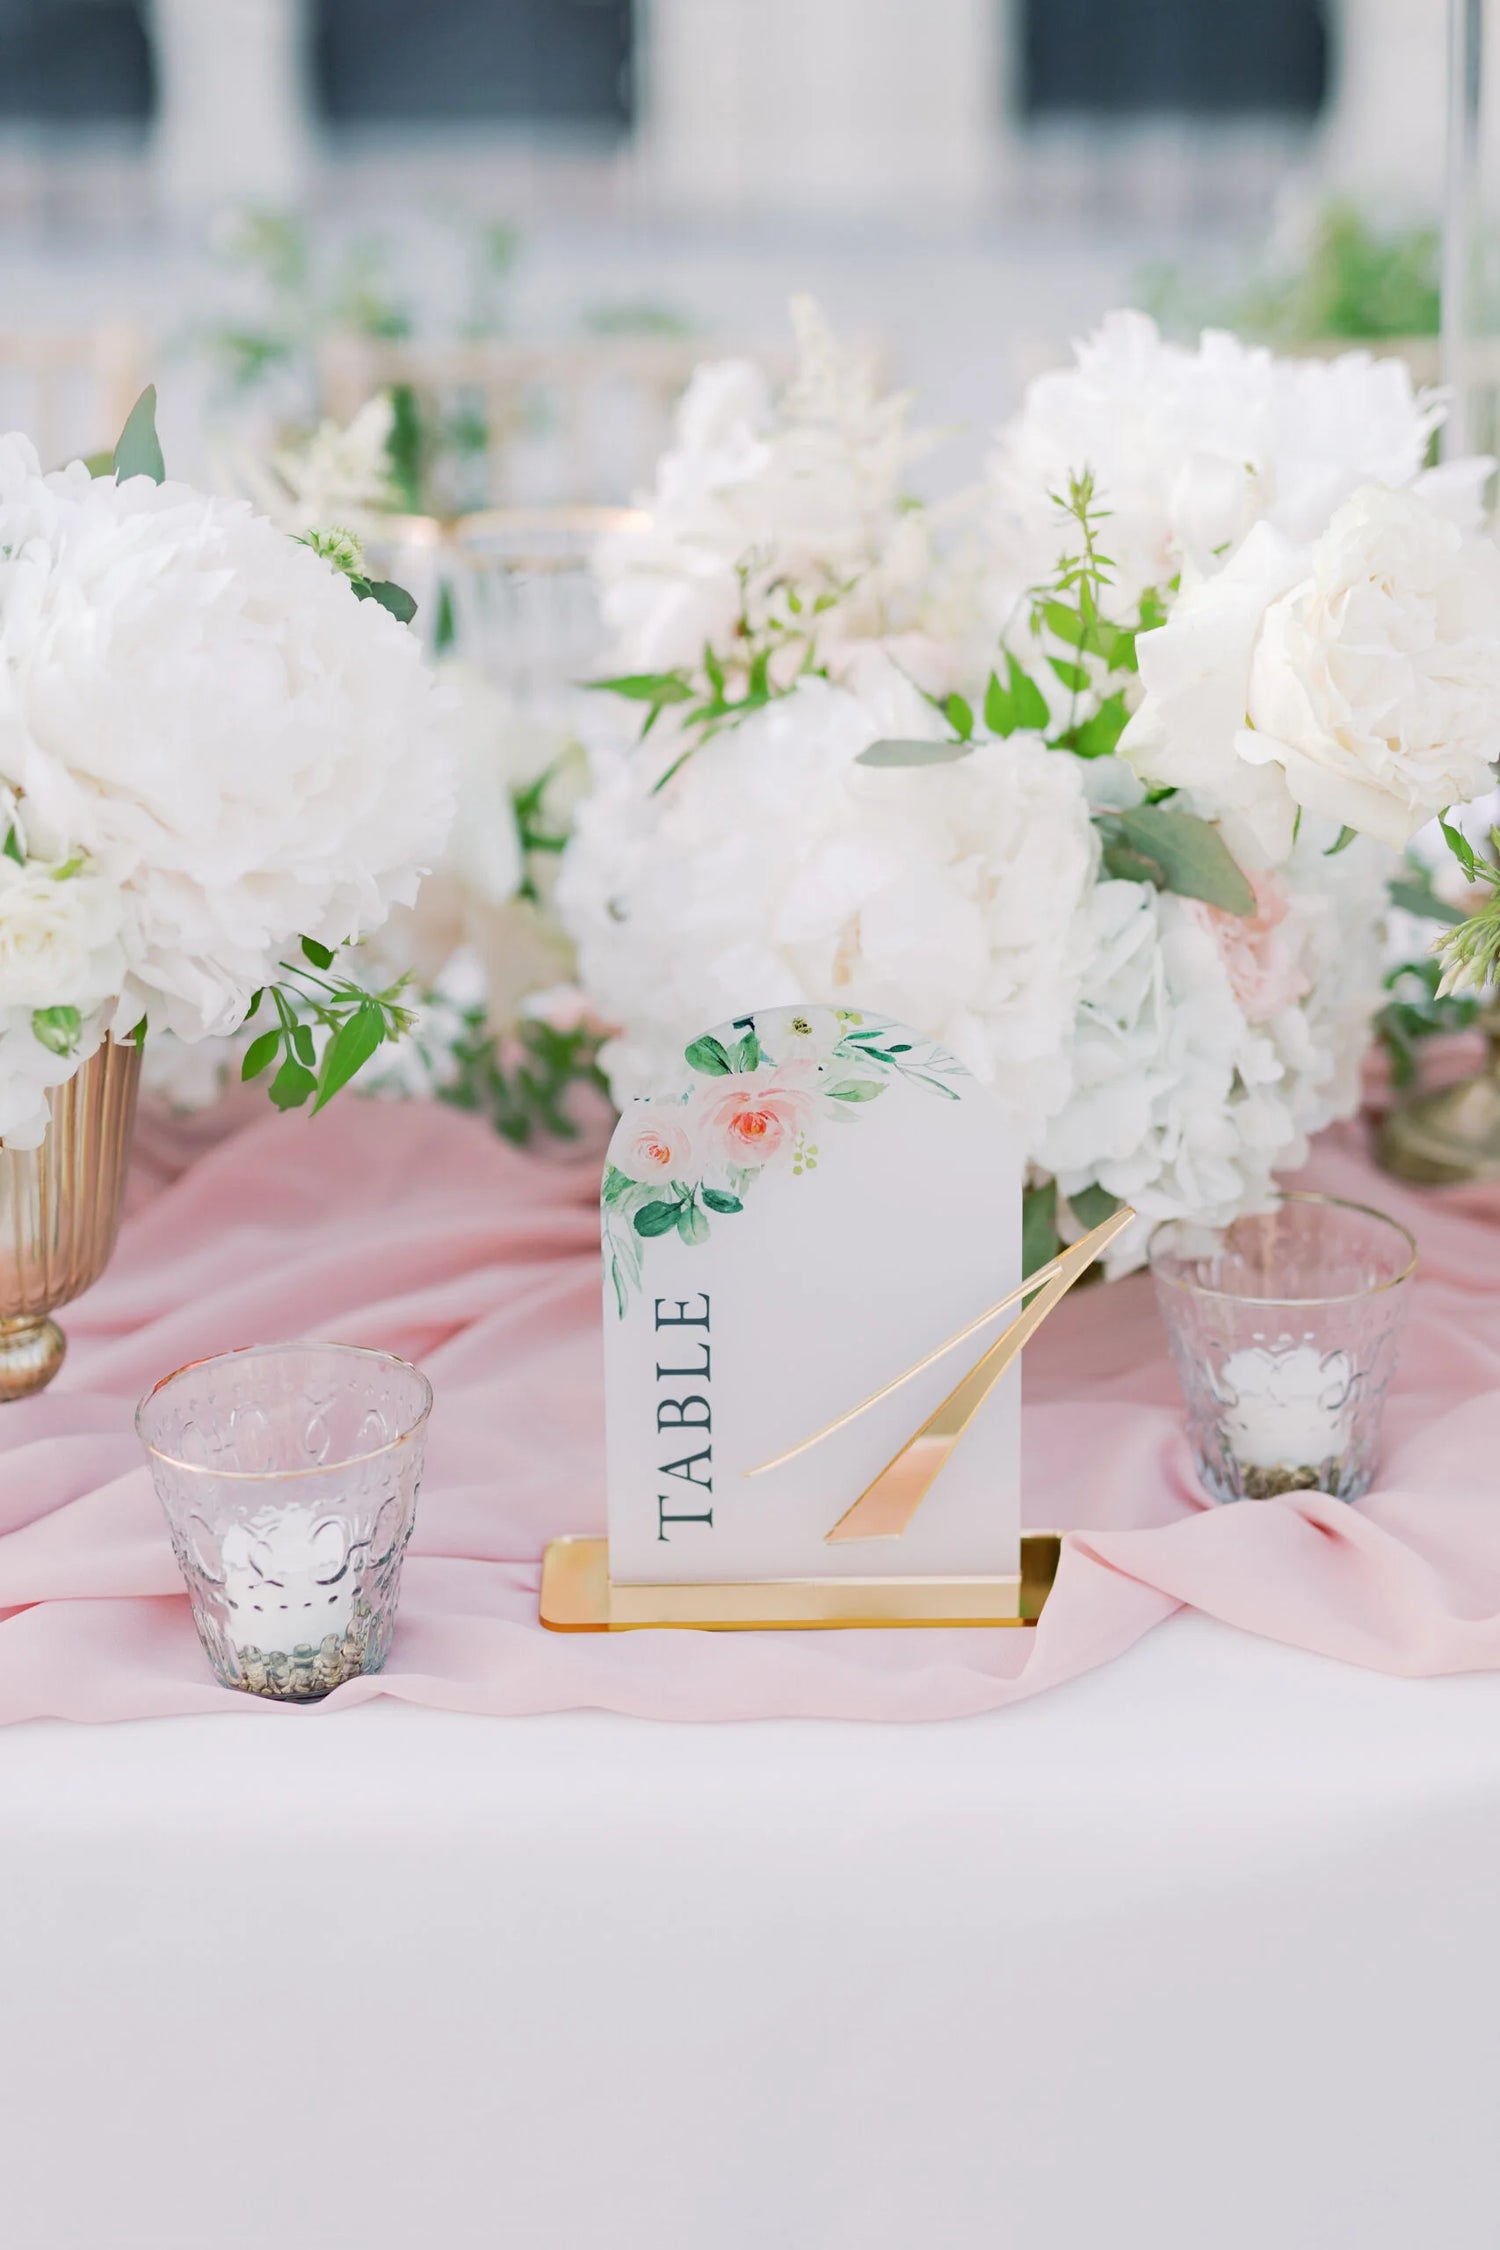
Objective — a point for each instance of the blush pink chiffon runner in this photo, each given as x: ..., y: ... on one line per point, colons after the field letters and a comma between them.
x: 412, y: 1228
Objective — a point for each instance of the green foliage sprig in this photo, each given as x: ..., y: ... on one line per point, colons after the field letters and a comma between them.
x: 356, y: 1023
x: 1470, y: 952
x: 521, y: 1085
x: 726, y: 686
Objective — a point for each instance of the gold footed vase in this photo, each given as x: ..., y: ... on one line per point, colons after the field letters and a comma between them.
x: 1453, y: 1135
x: 60, y: 1213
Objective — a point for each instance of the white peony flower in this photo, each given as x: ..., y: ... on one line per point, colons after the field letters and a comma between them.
x: 243, y: 750
x: 1190, y: 448
x: 1358, y: 681
x: 1375, y: 682
x: 774, y: 869
x: 28, y: 1069
x: 59, y: 937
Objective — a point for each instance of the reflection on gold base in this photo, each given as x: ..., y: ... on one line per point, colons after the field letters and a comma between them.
x: 578, y: 1596
x: 31, y: 1352
x: 1446, y: 1138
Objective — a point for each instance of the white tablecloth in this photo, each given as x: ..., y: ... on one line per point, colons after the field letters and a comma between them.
x: 1201, y: 1952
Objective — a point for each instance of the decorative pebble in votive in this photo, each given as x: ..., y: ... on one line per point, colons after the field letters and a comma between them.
x: 289, y: 1477
x: 1283, y: 1331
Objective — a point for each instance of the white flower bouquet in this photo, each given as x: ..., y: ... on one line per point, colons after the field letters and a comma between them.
x: 1098, y: 773
x: 218, y: 746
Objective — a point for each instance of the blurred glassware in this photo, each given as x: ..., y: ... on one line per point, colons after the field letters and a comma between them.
x: 289, y: 1477
x: 513, y: 591
x: 1283, y: 1331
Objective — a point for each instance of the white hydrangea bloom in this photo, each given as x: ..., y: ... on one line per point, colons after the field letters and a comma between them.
x: 773, y: 868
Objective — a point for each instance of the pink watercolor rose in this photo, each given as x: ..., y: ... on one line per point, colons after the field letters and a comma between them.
x: 655, y: 1148
x: 756, y: 1117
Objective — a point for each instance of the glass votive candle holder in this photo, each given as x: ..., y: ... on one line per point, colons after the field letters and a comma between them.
x: 289, y: 1476
x: 1283, y: 1330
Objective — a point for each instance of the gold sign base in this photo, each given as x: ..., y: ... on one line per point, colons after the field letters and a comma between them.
x: 579, y: 1596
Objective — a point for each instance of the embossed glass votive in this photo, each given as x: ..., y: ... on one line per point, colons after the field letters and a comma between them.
x: 289, y: 1475
x: 1283, y: 1330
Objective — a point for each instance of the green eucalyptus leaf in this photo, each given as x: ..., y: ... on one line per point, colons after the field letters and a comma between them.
x: 656, y: 1218
x: 349, y: 1050
x: 1413, y: 899
x: 138, y: 453
x: 390, y: 596
x: 709, y: 1056
x: 1039, y: 1236
x: 716, y: 1200
x: 892, y: 751
x: 1093, y: 1205
x: 1192, y: 856
x: 259, y: 1054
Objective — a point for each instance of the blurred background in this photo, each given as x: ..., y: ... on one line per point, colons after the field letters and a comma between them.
x: 512, y: 210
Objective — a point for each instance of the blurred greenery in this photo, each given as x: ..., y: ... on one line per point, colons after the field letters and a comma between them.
x: 1355, y: 281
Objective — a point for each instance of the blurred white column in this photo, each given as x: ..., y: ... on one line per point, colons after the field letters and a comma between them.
x: 233, y: 106
x: 820, y: 105
x: 1385, y: 128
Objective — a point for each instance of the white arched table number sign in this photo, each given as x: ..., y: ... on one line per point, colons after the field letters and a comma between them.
x: 800, y: 1235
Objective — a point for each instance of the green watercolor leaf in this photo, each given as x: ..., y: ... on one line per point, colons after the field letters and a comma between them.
x: 747, y: 1053
x: 716, y: 1200
x: 656, y: 1218
x: 692, y: 1226
x: 710, y: 1057
x: 855, y: 1090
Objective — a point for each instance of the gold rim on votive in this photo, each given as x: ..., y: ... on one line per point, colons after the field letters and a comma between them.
x: 1291, y: 1195
x: 286, y: 1476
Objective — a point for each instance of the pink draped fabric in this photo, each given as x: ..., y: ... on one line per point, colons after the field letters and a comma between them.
x: 412, y: 1228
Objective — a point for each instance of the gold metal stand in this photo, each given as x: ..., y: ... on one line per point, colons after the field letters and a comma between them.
x: 1451, y: 1136
x: 579, y: 1596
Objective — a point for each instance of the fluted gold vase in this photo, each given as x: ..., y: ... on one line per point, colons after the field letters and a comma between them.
x: 60, y: 1213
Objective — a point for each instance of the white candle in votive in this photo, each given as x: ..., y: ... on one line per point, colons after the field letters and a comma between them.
x: 1288, y: 1408
x: 276, y: 1582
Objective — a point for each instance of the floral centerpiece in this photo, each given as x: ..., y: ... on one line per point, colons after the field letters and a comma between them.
x: 217, y: 746
x: 1098, y: 773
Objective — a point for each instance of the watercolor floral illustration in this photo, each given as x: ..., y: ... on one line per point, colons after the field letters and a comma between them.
x: 758, y: 1097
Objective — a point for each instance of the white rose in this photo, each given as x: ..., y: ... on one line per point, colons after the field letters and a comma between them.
x: 1189, y: 732
x: 59, y: 938
x: 1375, y: 681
